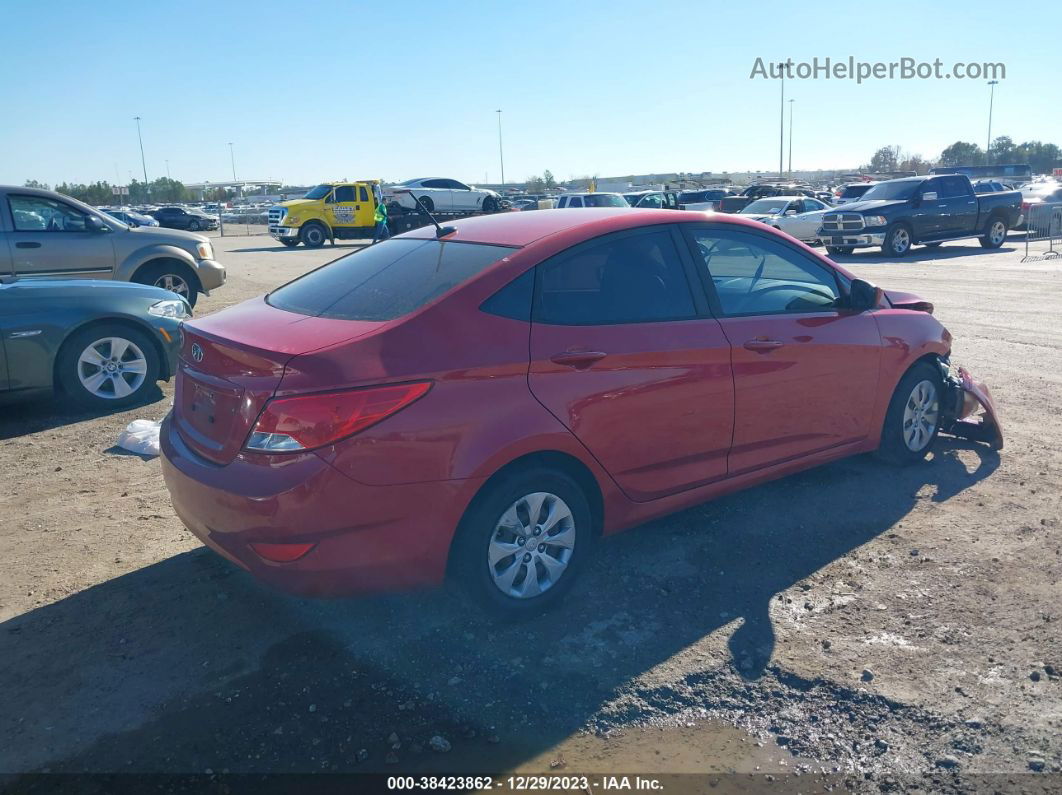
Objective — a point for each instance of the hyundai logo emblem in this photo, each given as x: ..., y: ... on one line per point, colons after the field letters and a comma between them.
x: 197, y: 352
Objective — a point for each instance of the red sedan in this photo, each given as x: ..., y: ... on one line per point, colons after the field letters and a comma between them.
x: 487, y: 399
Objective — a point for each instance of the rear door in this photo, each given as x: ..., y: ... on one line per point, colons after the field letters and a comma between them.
x: 625, y: 354
x: 439, y: 192
x: 805, y: 370
x: 961, y: 203
x: 50, y: 238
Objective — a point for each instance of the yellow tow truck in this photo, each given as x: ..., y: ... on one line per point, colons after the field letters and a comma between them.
x: 343, y: 210
x: 347, y: 211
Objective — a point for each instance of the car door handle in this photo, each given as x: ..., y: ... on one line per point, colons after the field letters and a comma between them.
x: 763, y: 346
x: 580, y: 360
x: 27, y: 244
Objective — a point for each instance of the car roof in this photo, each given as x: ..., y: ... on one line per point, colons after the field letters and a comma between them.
x: 790, y: 198
x: 521, y: 229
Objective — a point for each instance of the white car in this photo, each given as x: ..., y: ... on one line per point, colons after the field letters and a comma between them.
x: 444, y: 195
x: 799, y: 216
x: 569, y: 200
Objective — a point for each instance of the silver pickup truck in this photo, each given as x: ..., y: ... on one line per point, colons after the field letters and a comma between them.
x: 44, y: 234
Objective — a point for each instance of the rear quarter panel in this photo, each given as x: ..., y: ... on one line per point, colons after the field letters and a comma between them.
x: 1007, y: 201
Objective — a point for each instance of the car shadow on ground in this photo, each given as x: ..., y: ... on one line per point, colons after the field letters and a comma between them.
x: 189, y: 664
x: 20, y: 419
x: 921, y: 254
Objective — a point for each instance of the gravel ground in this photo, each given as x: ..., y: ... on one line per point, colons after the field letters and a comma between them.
x: 885, y: 625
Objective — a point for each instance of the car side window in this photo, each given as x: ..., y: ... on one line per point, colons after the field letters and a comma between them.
x: 574, y: 201
x: 635, y: 278
x: 652, y: 200
x: 345, y: 193
x: 434, y: 183
x: 951, y: 187
x: 755, y: 276
x: 363, y: 194
x: 41, y: 214
x: 453, y: 184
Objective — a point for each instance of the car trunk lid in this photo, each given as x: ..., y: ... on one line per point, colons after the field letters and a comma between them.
x: 231, y: 363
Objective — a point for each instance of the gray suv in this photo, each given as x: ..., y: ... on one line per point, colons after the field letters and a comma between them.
x: 44, y: 234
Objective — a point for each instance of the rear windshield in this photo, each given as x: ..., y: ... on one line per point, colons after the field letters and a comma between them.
x: 604, y: 200
x: 386, y: 280
x: 851, y: 191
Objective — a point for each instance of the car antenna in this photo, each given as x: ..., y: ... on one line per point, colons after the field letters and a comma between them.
x: 440, y: 231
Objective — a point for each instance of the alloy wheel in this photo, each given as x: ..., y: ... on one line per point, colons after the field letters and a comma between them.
x: 112, y: 368
x: 920, y: 415
x: 173, y: 283
x: 998, y: 233
x: 532, y: 545
x: 901, y: 241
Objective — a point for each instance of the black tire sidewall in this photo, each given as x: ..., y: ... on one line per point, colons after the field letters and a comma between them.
x: 479, y: 522
x: 892, y: 447
x: 428, y: 204
x: 889, y: 251
x: 77, y: 342
x: 986, y: 239
x: 310, y: 229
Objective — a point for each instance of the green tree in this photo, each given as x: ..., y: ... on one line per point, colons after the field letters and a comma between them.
x: 915, y: 163
x: 885, y: 159
x: 962, y: 153
x: 32, y: 183
x: 535, y: 185
x: 548, y: 179
x: 1002, y: 150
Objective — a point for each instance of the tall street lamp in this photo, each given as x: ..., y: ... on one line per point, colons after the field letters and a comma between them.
x: 232, y: 159
x: 991, y: 99
x: 781, y: 126
x: 791, y: 136
x: 501, y: 155
x: 143, y: 162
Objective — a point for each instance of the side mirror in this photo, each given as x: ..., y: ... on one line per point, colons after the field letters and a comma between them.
x: 95, y: 224
x: 790, y: 212
x: 930, y: 196
x: 863, y: 295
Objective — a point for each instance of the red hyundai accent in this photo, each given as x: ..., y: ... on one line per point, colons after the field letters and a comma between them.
x: 488, y: 398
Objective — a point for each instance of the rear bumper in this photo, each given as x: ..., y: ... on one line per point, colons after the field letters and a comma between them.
x: 366, y: 538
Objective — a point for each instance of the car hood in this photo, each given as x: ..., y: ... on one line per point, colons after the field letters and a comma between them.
x: 160, y: 234
x: 294, y: 204
x: 84, y: 289
x: 874, y: 204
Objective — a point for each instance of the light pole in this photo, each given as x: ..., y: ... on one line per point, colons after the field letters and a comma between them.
x: 143, y: 162
x: 168, y: 162
x: 991, y: 100
x: 781, y: 126
x: 232, y: 159
x: 790, y: 172
x: 501, y: 155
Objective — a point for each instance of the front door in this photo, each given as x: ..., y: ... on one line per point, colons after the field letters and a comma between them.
x: 961, y: 205
x: 625, y: 355
x: 50, y: 238
x: 344, y: 208
x: 805, y: 369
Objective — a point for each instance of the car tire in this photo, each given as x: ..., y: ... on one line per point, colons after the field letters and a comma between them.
x: 897, y: 241
x: 124, y: 370
x: 484, y: 535
x: 995, y: 233
x: 905, y: 438
x: 839, y: 250
x: 193, y: 226
x: 290, y: 243
x: 427, y: 203
x: 170, y: 275
x: 490, y: 205
x: 313, y: 235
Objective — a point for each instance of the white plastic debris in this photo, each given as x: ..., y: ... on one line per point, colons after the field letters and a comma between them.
x: 141, y: 437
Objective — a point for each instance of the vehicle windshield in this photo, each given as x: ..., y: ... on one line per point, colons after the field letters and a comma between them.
x: 765, y: 207
x: 604, y: 200
x: 701, y: 196
x: 319, y: 192
x: 892, y: 191
x: 387, y: 280
x: 854, y: 191
x: 113, y: 218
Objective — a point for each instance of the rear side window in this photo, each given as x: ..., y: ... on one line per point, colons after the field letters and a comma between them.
x: 854, y: 191
x: 631, y: 279
x: 385, y: 281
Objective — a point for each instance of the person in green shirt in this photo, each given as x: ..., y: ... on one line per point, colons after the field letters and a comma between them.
x: 381, y: 232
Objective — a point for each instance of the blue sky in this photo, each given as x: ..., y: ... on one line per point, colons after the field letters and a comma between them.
x: 311, y: 91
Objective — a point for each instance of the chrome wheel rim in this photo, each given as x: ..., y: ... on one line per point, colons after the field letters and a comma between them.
x: 900, y: 241
x: 920, y: 416
x: 998, y: 233
x: 112, y: 368
x: 532, y: 545
x: 173, y: 283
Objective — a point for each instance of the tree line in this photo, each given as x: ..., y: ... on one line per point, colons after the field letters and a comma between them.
x: 161, y: 191
x: 1041, y: 157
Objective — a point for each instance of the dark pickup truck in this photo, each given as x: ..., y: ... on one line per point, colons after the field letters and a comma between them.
x: 899, y: 213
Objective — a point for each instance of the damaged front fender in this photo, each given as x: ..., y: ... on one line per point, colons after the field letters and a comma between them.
x: 968, y: 410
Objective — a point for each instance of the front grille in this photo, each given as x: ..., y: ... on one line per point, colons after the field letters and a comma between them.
x: 842, y: 222
x: 276, y: 214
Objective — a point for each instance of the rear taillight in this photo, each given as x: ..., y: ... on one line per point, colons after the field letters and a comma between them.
x: 307, y: 421
x: 1025, y: 206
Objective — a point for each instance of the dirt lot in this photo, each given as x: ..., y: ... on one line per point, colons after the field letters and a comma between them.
x: 891, y: 625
